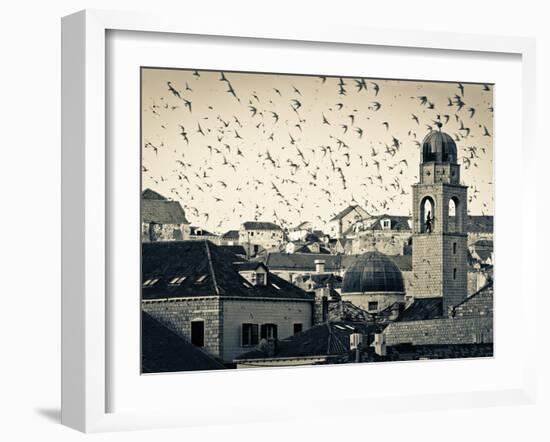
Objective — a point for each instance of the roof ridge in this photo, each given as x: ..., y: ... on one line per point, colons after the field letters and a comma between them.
x: 329, y: 337
x: 338, y: 340
x: 211, y: 266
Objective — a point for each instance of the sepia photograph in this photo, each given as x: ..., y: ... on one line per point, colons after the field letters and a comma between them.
x: 299, y: 220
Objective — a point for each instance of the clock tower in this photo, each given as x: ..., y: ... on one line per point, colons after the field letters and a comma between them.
x: 439, y: 224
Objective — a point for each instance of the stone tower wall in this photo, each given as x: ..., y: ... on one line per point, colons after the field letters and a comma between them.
x: 440, y: 257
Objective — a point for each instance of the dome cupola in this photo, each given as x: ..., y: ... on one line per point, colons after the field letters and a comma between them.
x: 373, y: 272
x: 438, y: 147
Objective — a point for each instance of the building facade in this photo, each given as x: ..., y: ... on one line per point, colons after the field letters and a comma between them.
x: 256, y: 236
x: 389, y: 234
x: 162, y: 219
x: 218, y: 302
x: 345, y: 219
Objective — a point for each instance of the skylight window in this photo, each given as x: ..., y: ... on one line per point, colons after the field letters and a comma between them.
x: 150, y: 282
x: 178, y: 280
x: 276, y: 286
x: 202, y: 278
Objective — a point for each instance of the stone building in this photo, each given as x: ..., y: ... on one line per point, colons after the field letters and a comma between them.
x: 300, y: 232
x: 218, y: 302
x: 230, y: 238
x: 440, y: 204
x: 162, y: 219
x: 389, y: 234
x: 306, y: 247
x: 348, y: 217
x: 256, y: 236
x: 198, y: 233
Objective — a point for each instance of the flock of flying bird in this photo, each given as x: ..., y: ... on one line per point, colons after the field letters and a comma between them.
x: 282, y: 148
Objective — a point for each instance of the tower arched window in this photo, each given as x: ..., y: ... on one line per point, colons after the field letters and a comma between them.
x: 453, y: 224
x: 427, y: 219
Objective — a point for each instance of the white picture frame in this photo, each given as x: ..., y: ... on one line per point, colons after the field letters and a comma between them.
x: 85, y: 207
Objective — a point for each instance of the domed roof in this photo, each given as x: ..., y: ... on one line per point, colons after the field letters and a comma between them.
x: 438, y: 146
x: 373, y: 272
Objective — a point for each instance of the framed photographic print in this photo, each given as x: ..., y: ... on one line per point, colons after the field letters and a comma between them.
x: 248, y: 212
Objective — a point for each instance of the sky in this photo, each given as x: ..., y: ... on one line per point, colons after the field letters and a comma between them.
x: 235, y: 146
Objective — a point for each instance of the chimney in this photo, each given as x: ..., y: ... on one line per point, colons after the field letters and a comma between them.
x: 319, y: 266
x: 356, y: 343
x: 320, y: 307
x: 380, y: 344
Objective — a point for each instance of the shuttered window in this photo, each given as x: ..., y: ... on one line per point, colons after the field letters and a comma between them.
x: 268, y: 331
x: 249, y: 335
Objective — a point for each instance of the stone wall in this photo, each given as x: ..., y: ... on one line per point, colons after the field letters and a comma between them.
x: 165, y: 232
x: 283, y: 313
x: 178, y: 314
x: 384, y: 300
x: 434, y: 264
x: 266, y: 239
x: 387, y: 242
x: 223, y: 319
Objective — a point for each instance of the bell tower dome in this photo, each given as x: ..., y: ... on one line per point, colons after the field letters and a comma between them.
x: 439, y: 223
x: 438, y: 159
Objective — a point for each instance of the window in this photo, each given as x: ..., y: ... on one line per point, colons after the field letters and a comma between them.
x: 452, y: 221
x: 197, y: 333
x: 454, y: 248
x: 386, y: 224
x: 150, y: 282
x: 260, y: 278
x: 373, y: 305
x: 268, y: 331
x: 178, y: 280
x: 454, y: 273
x: 155, y: 231
x: 249, y: 335
x: 201, y: 279
x: 427, y: 207
x: 298, y: 328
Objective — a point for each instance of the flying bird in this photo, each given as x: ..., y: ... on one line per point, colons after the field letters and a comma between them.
x: 173, y: 90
